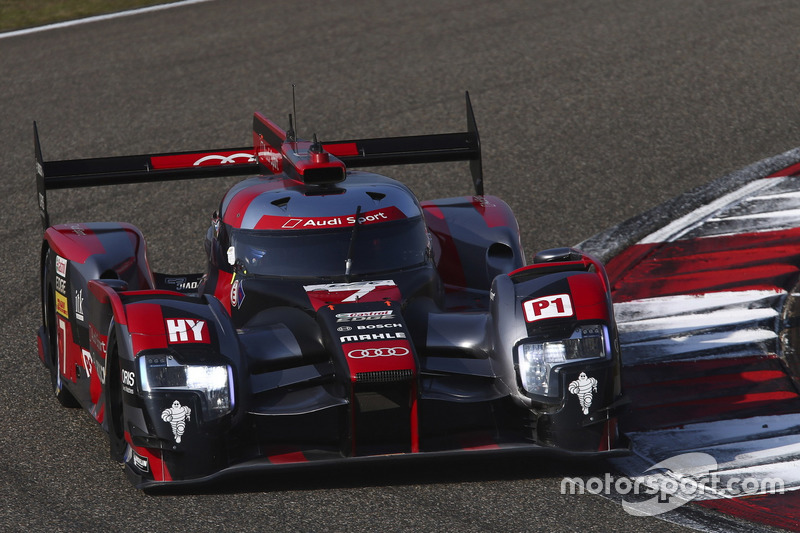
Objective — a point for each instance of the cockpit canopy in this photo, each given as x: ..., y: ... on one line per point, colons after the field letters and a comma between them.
x: 276, y: 226
x: 376, y: 248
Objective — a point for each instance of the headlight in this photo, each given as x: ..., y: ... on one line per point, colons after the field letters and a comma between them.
x: 163, y: 372
x: 537, y: 359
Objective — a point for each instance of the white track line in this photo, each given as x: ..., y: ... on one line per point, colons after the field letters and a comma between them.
x: 97, y: 18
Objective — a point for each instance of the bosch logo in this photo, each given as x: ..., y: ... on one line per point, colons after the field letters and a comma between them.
x: 343, y: 328
x: 378, y: 352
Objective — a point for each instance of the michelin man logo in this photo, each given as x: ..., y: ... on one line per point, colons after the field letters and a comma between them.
x: 177, y: 416
x: 583, y: 388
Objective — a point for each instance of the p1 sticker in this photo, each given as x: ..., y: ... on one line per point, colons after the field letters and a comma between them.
x: 554, y: 306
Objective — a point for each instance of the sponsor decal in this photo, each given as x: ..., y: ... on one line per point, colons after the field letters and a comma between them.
x: 61, y: 305
x: 372, y: 337
x: 370, y: 217
x: 61, y: 285
x: 182, y: 284
x: 269, y: 156
x: 583, y: 387
x: 61, y: 266
x: 101, y: 371
x: 351, y: 292
x: 184, y: 330
x: 357, y: 290
x: 201, y: 160
x: 379, y: 326
x: 97, y: 341
x: 78, y: 304
x: 177, y: 415
x: 365, y: 315
x: 343, y: 328
x: 225, y: 159
x: 554, y: 306
x: 378, y: 352
x: 78, y: 230
x: 128, y: 380
x: 88, y: 364
x: 142, y: 463
x: 330, y: 294
x: 237, y: 294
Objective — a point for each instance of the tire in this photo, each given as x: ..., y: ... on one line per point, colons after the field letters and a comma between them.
x: 64, y: 397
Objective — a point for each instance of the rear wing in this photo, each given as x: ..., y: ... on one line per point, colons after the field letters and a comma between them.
x: 251, y: 160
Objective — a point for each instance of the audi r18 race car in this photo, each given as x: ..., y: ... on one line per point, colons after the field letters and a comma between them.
x: 338, y: 319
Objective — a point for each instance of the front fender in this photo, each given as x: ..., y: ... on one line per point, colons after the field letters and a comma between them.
x: 173, y: 352
x: 553, y: 321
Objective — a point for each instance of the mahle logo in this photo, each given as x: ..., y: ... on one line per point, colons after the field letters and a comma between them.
x: 673, y: 483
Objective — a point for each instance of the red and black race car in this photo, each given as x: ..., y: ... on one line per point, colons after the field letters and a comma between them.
x: 339, y: 318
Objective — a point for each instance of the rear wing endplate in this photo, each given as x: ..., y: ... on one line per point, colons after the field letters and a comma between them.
x: 72, y: 173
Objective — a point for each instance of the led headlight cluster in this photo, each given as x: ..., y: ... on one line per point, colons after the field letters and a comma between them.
x: 537, y: 359
x: 163, y: 372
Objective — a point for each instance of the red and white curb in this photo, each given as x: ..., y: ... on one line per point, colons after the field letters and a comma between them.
x: 705, y: 309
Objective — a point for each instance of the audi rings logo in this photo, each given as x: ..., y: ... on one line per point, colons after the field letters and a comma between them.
x: 377, y: 352
x: 225, y: 160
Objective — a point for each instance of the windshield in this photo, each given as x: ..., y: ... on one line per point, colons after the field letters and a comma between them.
x: 378, y: 248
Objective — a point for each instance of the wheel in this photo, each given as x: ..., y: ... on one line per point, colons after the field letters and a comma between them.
x: 116, y: 429
x: 64, y: 397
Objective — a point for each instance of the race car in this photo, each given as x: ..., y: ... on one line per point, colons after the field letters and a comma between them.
x: 338, y: 319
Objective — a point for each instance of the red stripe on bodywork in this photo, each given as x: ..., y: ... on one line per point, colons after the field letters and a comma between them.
x: 158, y: 467
x: 341, y: 149
x: 285, y: 458
x: 448, y: 262
x: 494, y: 211
x: 588, y: 297
x: 482, y: 441
x: 237, y: 206
x: 146, y: 327
x: 223, y: 288
x: 75, y: 242
x: 107, y: 295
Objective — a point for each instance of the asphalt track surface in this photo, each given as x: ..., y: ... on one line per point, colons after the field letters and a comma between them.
x: 590, y: 112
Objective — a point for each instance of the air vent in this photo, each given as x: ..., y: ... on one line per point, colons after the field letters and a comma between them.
x: 384, y: 376
x: 281, y: 202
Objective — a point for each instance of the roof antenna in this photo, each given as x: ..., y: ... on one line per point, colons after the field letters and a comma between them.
x: 291, y: 135
x: 294, y: 112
